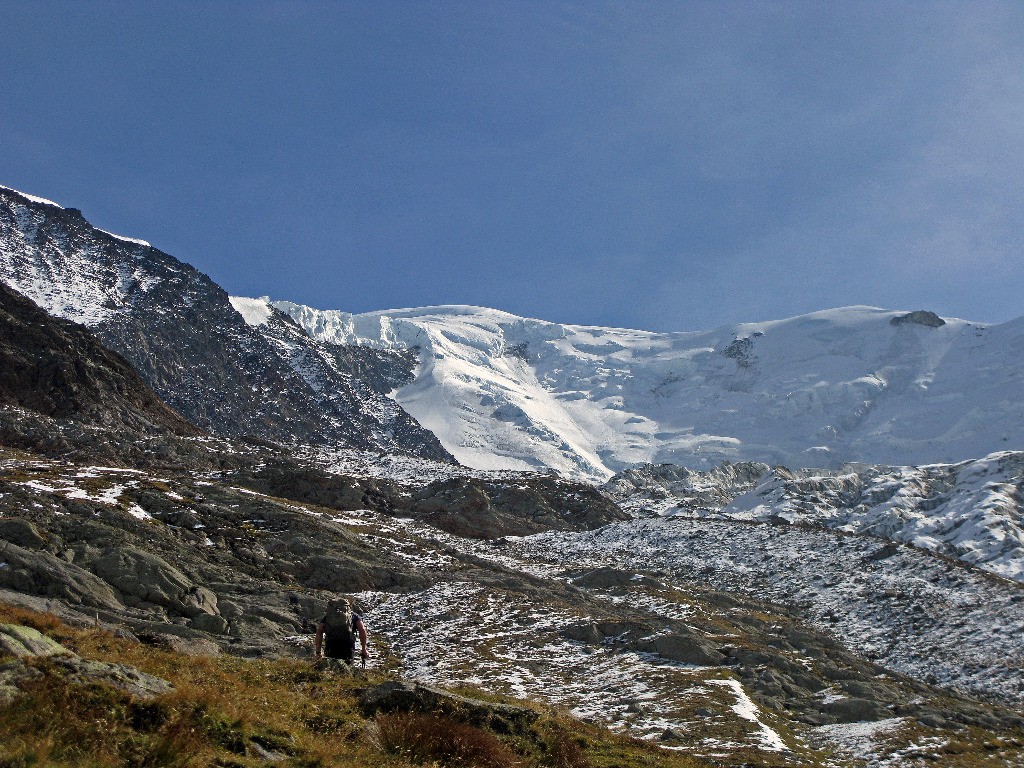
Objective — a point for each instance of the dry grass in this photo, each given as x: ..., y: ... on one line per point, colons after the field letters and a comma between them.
x: 430, y: 739
x: 565, y: 751
x: 58, y: 724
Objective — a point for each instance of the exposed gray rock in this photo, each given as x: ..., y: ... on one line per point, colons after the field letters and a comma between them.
x: 127, y: 678
x: 606, y: 632
x: 40, y: 573
x: 200, y: 602
x: 187, y: 646
x: 26, y: 642
x: 685, y: 648
x: 205, y: 622
x: 854, y: 710
x: 585, y: 632
x: 403, y: 696
x: 257, y: 750
x: 490, y: 509
x: 607, y: 578
x: 147, y: 577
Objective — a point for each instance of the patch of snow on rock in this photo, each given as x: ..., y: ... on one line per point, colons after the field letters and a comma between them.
x: 255, y: 312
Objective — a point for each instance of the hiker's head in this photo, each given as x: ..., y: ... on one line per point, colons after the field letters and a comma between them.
x: 341, y: 604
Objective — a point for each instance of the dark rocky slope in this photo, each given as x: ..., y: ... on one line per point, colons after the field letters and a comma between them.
x: 59, y: 369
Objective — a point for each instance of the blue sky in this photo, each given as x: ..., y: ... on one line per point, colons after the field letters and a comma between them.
x: 671, y: 166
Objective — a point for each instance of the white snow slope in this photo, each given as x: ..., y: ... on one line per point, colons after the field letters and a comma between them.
x: 823, y: 389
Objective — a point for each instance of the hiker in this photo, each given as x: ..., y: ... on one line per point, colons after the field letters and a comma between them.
x: 341, y: 625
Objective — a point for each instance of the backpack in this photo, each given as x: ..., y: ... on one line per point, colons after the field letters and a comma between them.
x: 341, y: 638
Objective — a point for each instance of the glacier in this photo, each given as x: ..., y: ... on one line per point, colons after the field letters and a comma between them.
x: 854, y: 384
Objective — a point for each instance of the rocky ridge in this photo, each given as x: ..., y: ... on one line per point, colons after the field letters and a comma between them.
x: 179, y: 331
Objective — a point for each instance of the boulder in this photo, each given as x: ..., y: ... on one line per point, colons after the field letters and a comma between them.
x: 187, y: 646
x: 599, y: 632
x: 200, y: 602
x: 685, y: 648
x: 122, y: 676
x: 392, y: 696
x: 215, y: 625
x: 403, y: 696
x: 854, y: 710
x: 585, y: 632
x: 919, y: 317
x: 152, y: 579
x: 26, y: 642
x: 607, y: 578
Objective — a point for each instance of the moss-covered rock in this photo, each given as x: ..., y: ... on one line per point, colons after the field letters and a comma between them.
x: 18, y: 640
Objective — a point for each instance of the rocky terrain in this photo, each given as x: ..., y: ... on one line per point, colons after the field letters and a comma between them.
x: 178, y: 329
x: 972, y: 511
x: 747, y: 642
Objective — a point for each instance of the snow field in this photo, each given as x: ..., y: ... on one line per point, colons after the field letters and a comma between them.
x: 971, y: 511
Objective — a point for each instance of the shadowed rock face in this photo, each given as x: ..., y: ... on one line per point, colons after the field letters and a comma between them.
x: 59, y: 369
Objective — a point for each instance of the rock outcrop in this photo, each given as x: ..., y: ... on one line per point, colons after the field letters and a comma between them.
x: 26, y: 644
x: 919, y: 317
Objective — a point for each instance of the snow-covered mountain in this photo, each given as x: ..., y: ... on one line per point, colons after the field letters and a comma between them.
x: 180, y: 332
x: 857, y: 384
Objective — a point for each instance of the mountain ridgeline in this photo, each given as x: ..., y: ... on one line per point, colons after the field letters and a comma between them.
x: 496, y: 391
x: 181, y: 333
